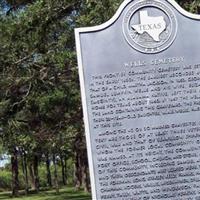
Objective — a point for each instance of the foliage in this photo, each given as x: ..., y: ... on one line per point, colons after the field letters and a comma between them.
x: 192, y: 6
x: 39, y: 90
x: 5, y: 179
x: 6, y: 176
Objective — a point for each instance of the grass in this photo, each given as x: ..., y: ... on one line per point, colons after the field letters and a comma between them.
x: 64, y: 194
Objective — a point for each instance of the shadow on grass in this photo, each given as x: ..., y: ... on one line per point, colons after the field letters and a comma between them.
x: 5, y: 195
x: 64, y: 194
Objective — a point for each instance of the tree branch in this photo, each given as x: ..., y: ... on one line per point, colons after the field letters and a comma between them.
x: 24, y: 59
x: 24, y: 97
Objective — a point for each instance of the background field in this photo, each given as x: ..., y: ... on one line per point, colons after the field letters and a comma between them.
x: 64, y: 194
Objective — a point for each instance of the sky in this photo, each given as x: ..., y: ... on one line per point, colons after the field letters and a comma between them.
x: 4, y: 161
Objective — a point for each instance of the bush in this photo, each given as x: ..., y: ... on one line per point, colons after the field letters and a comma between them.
x: 5, y: 180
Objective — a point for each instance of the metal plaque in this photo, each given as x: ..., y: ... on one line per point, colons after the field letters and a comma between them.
x: 140, y: 85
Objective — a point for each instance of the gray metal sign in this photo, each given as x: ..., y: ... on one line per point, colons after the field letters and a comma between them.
x: 140, y: 85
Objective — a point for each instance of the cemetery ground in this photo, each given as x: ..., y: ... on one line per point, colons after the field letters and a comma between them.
x: 67, y: 193
x: 45, y: 192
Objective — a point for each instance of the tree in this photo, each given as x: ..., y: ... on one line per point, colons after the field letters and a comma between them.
x: 39, y: 80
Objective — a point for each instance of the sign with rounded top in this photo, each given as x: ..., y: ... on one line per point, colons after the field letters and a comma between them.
x: 140, y: 86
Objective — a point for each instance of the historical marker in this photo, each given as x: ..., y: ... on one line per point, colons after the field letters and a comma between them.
x: 140, y: 83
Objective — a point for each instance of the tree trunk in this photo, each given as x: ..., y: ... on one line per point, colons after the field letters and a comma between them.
x: 15, y: 174
x: 55, y: 174
x: 31, y: 172
x: 36, y: 174
x: 85, y: 171
x: 63, y: 170
x: 49, y: 182
x: 25, y: 172
x: 78, y: 171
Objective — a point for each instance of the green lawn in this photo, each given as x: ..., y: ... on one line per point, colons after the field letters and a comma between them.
x: 65, y: 194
